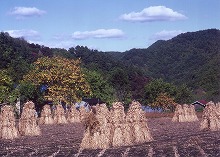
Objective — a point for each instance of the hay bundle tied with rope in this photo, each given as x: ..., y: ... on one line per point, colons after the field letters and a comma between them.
x: 104, y: 118
x: 8, y: 128
x: 83, y: 113
x: 73, y: 115
x: 46, y: 115
x: 218, y: 109
x: 138, y: 123
x: 92, y: 127
x: 59, y: 115
x: 179, y: 114
x: 210, y: 118
x: 97, y: 124
x: 192, y: 113
x: 118, y: 121
x: 28, y: 125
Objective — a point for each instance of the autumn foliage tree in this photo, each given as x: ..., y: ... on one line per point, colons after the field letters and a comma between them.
x: 165, y: 102
x: 62, y: 77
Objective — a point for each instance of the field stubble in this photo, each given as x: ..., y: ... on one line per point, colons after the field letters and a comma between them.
x: 170, y: 139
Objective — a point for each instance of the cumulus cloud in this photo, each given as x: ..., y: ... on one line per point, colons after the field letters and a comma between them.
x: 100, y: 33
x: 21, y: 12
x: 166, y: 35
x: 153, y: 13
x: 27, y: 34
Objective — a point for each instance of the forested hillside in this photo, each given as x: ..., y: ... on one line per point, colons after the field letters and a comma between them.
x: 190, y: 58
x: 188, y: 63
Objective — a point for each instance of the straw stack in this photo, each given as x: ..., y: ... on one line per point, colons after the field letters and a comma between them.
x: 46, y: 115
x: 98, y: 128
x: 28, y: 122
x: 73, y: 115
x: 185, y: 113
x: 192, y: 113
x: 92, y: 129
x: 137, y: 121
x: 210, y: 118
x: 218, y: 109
x: 118, y: 121
x: 59, y: 115
x: 7, y: 123
x: 83, y: 113
x: 104, y: 118
x: 178, y: 114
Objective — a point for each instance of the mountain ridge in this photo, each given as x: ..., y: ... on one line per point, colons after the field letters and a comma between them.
x: 191, y: 58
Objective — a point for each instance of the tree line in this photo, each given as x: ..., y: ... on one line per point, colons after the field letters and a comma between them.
x: 39, y: 73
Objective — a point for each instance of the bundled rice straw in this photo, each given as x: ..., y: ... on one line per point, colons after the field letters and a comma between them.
x: 118, y: 121
x: 104, y: 118
x: 92, y: 129
x: 83, y: 113
x: 184, y: 113
x: 73, y: 115
x: 218, y: 109
x: 97, y: 133
x: 138, y: 124
x: 106, y: 128
x: 192, y: 113
x: 46, y: 115
x: 7, y: 123
x: 59, y: 115
x: 178, y: 114
x: 210, y: 118
x: 28, y: 121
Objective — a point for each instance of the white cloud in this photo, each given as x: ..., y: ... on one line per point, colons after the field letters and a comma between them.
x: 166, y: 35
x: 100, y: 33
x: 153, y: 13
x: 27, y: 34
x: 62, y: 44
x: 21, y: 12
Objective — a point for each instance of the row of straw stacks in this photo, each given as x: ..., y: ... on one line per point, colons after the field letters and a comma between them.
x: 185, y: 113
x: 27, y: 125
x: 59, y: 116
x: 114, y: 128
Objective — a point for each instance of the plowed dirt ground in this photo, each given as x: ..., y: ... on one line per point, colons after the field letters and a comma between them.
x: 171, y: 139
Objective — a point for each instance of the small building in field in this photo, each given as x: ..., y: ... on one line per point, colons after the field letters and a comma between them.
x: 199, y: 104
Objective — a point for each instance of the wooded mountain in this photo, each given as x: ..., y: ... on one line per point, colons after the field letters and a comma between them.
x: 191, y: 58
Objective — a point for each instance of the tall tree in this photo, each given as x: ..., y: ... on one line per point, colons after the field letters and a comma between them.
x: 165, y: 102
x: 100, y: 88
x: 63, y: 77
x: 154, y: 91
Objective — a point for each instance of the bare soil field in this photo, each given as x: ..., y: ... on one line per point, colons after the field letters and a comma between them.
x: 171, y: 139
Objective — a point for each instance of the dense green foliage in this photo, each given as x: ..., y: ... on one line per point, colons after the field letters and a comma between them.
x: 192, y: 59
x: 180, y: 94
x: 185, y: 68
x: 100, y: 87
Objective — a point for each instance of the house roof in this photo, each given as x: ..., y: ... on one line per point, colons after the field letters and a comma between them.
x: 200, y: 102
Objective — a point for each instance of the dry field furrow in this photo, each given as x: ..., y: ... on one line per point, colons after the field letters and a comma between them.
x: 171, y: 139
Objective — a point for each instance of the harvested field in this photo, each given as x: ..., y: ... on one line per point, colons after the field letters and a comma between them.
x: 170, y: 139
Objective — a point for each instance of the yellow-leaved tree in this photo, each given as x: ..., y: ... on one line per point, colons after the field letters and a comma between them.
x: 165, y: 102
x: 62, y: 77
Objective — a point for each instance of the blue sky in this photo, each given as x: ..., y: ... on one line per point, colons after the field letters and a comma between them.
x: 105, y: 25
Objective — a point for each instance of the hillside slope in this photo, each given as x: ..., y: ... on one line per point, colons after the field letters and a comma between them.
x: 191, y: 58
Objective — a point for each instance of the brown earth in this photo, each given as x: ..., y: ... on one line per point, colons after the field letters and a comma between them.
x: 170, y: 139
